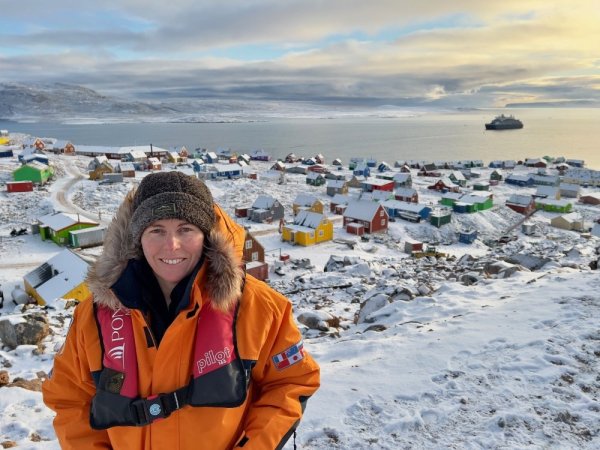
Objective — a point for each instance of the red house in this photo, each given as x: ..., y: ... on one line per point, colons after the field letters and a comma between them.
x: 19, y: 186
x: 444, y: 185
x: 377, y: 184
x: 523, y: 204
x: 371, y: 215
x: 406, y: 195
x: 254, y: 258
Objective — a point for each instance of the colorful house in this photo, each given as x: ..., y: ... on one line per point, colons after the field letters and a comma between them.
x: 307, y: 202
x: 377, y: 184
x: 444, y: 185
x: 339, y: 203
x: 523, y: 204
x: 439, y: 217
x: 371, y: 216
x: 408, y: 211
x: 266, y: 209
x: 406, y: 195
x: 58, y: 225
x: 402, y: 180
x: 315, y: 179
x: 309, y: 228
x: 337, y: 187
x: 551, y: 205
x: 35, y: 172
x: 98, y: 172
x: 572, y: 221
x: 254, y: 258
x: 519, y: 180
x: 62, y: 276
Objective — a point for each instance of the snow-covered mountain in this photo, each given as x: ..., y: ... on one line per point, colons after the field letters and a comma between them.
x: 57, y: 101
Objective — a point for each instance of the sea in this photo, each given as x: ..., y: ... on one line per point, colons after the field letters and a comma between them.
x: 417, y: 135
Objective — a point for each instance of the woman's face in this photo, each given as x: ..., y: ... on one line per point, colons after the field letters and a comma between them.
x: 172, y: 247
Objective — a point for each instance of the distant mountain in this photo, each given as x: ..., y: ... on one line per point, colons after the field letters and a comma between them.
x: 60, y: 101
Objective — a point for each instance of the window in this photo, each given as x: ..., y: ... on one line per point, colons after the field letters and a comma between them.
x: 381, y: 213
x: 248, y: 244
x: 321, y: 233
x: 254, y: 256
x: 382, y: 222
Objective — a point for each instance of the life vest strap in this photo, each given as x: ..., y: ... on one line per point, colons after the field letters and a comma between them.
x: 150, y: 409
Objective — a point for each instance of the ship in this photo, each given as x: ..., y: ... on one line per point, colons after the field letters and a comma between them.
x: 503, y: 122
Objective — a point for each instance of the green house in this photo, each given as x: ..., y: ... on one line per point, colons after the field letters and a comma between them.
x: 34, y: 171
x: 450, y: 198
x: 440, y: 217
x: 551, y: 205
x: 57, y: 226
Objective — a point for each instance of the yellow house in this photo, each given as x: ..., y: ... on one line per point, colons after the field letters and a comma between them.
x: 309, y: 228
x: 62, y: 276
x: 307, y: 202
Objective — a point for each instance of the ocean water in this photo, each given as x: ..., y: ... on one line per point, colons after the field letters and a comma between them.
x: 572, y: 133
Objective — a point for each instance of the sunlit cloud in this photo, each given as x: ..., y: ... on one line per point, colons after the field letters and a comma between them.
x: 382, y: 52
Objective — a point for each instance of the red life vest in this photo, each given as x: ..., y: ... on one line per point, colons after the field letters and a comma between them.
x: 219, y: 377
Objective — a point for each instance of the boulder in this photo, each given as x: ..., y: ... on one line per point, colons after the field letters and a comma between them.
x: 371, y: 305
x: 28, y: 331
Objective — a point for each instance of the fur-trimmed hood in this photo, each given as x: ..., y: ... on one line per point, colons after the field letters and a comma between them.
x: 223, y: 277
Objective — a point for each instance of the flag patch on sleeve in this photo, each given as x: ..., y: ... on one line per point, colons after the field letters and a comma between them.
x: 289, y: 356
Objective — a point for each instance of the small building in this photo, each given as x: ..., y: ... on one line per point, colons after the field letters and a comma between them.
x: 338, y: 203
x: 278, y: 166
x: 411, y: 246
x: 127, y: 169
x: 35, y: 157
x: 242, y: 211
x: 337, y: 187
x: 62, y: 276
x: 19, y: 186
x: 87, y: 237
x: 573, y: 222
x: 481, y: 186
x: 35, y: 172
x: 519, y: 180
x: 551, y: 205
x: 440, y: 217
x: 337, y: 162
x: 154, y: 164
x: 458, y: 178
x: 497, y: 175
x: 377, y: 184
x: 444, y: 185
x: 450, y: 198
x: 592, y: 198
x: 406, y: 195
x: 535, y: 162
x: 402, y: 180
x: 6, y: 151
x: 291, y: 158
x: 412, y: 212
x: 523, y: 204
x: 135, y: 156
x: 529, y: 229
x: 467, y: 236
x: 220, y: 171
x: 99, y: 172
x: 315, y: 179
x: 546, y: 180
x: 569, y: 190
x: 371, y: 215
x: 97, y: 162
x: 266, y: 209
x: 254, y: 257
x: 580, y: 163
x: 260, y: 155
x: 57, y: 226
x: 362, y: 169
x: 307, y: 202
x: 547, y: 192
x: 309, y: 228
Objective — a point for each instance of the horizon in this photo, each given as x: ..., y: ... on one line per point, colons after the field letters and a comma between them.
x: 344, y: 54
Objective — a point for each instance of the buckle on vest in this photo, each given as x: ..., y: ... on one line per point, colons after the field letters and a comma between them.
x: 155, y: 407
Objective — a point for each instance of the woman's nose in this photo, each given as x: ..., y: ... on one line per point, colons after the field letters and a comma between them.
x: 173, y: 241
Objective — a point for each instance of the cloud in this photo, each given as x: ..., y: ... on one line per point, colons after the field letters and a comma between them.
x: 350, y: 51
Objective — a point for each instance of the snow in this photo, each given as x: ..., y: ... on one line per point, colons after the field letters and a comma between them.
x: 430, y: 362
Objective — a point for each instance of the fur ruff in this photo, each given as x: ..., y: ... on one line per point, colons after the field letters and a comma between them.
x: 224, y: 275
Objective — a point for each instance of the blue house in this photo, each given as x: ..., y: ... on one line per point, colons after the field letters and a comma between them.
x: 467, y: 236
x: 519, y: 180
x: 407, y: 211
x: 34, y: 157
x: 197, y: 165
x: 362, y: 169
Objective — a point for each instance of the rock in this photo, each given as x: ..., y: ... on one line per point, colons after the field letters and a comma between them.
x: 469, y: 279
x: 4, y: 378
x: 371, y: 305
x: 8, y: 444
x: 315, y: 320
x: 30, y: 331
x: 30, y: 385
x: 377, y: 327
x: 424, y: 289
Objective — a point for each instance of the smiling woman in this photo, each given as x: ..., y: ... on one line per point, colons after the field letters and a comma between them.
x: 177, y: 331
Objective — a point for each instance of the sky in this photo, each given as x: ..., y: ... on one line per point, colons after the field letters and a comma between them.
x: 463, y: 53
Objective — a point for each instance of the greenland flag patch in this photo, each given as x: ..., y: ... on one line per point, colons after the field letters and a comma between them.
x: 289, y: 357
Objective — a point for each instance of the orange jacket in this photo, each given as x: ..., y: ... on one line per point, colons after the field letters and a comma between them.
x: 264, y: 328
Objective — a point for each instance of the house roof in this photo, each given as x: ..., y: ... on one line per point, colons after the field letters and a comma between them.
x: 337, y: 184
x: 405, y: 192
x: 57, y: 276
x: 308, y: 219
x: 341, y: 199
x: 263, y: 202
x: 60, y: 221
x: 362, y: 210
x: 305, y: 199
x: 404, y: 206
x: 377, y: 182
x: 518, y: 199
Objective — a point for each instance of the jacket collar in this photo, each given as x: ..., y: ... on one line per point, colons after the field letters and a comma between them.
x: 221, y: 280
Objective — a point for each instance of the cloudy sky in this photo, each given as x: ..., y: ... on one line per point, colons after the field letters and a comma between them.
x: 465, y: 53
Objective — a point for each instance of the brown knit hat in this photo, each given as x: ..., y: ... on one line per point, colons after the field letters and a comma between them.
x: 171, y: 195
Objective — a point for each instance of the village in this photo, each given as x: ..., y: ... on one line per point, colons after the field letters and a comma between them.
x: 406, y: 258
x: 328, y: 203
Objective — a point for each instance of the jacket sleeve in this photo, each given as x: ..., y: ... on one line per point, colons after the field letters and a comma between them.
x: 279, y: 391
x: 70, y: 387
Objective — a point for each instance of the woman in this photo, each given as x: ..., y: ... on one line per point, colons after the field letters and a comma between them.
x: 178, y: 349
